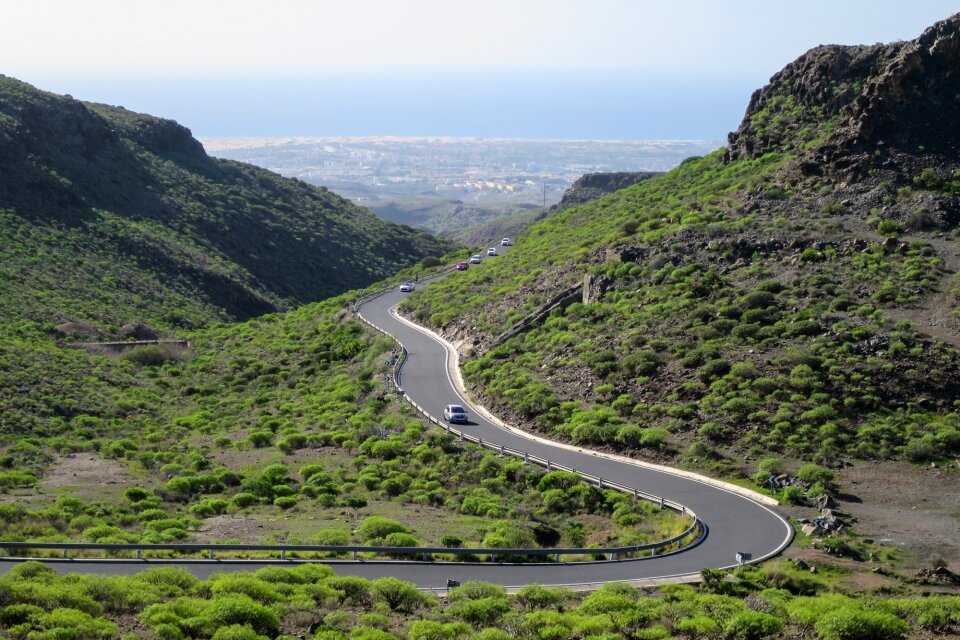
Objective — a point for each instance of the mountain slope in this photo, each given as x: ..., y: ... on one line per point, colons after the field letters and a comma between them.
x: 119, y: 216
x: 791, y: 293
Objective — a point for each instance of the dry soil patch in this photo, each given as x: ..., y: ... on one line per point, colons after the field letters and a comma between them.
x: 88, y: 474
x: 911, y: 507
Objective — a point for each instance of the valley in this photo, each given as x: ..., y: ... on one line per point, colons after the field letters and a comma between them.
x: 763, y: 335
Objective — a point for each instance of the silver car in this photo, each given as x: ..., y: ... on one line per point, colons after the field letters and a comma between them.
x: 454, y: 413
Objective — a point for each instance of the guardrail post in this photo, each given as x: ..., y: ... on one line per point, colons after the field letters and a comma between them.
x: 653, y: 552
x: 612, y: 556
x: 480, y: 441
x: 636, y: 494
x: 526, y: 457
x: 501, y: 450
x: 600, y: 483
x: 425, y: 557
x: 549, y: 466
x: 558, y: 557
x: 139, y: 554
x: 661, y: 502
x: 283, y: 554
x: 211, y: 553
x: 65, y: 554
x: 461, y: 436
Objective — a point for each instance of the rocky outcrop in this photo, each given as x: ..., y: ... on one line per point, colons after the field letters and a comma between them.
x: 591, y: 186
x: 847, y: 109
x: 138, y: 331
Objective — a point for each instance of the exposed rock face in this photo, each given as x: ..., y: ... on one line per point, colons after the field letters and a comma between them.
x: 878, y: 102
x: 138, y: 331
x: 591, y: 186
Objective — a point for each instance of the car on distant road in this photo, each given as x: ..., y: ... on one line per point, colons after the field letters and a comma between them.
x: 454, y: 413
x: 506, y: 242
x: 492, y: 251
x: 406, y: 287
x: 463, y: 266
x: 475, y: 259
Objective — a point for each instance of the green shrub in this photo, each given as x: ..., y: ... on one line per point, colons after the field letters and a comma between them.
x: 535, y: 596
x: 398, y: 595
x: 889, y: 228
x: 18, y: 613
x: 331, y: 537
x: 480, y: 612
x: 136, y: 494
x: 814, y: 473
x: 752, y: 625
x: 71, y: 624
x: 285, y: 502
x: 697, y: 627
x: 243, y: 500
x: 378, y: 527
x: 247, y: 585
x: 240, y: 609
x: 401, y: 540
x: 430, y: 630
x: 355, y: 590
x: 855, y: 623
x: 237, y: 632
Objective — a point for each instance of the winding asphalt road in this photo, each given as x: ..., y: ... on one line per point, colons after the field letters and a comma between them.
x: 735, y: 523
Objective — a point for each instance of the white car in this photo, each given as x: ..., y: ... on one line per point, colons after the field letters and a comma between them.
x: 492, y: 251
x: 475, y: 259
x: 454, y: 413
x: 506, y: 242
x: 406, y: 287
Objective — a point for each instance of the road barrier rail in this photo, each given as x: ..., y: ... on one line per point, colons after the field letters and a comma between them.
x: 211, y: 551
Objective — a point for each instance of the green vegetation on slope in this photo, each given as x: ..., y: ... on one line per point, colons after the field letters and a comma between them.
x: 728, y: 307
x: 110, y: 217
x: 310, y: 601
x: 285, y: 416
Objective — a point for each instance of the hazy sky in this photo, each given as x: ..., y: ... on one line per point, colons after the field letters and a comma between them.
x: 243, y: 67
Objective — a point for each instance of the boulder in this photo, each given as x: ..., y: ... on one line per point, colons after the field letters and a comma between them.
x: 138, y: 331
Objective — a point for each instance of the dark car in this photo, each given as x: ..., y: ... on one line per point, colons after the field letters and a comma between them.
x: 463, y: 266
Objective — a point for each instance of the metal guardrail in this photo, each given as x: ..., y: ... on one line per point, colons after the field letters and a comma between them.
x: 425, y: 553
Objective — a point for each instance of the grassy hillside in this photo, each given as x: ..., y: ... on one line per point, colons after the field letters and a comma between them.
x: 119, y: 217
x: 793, y: 293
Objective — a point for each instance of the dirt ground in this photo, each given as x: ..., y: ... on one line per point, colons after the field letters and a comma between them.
x: 228, y: 527
x: 84, y: 470
x: 914, y: 508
